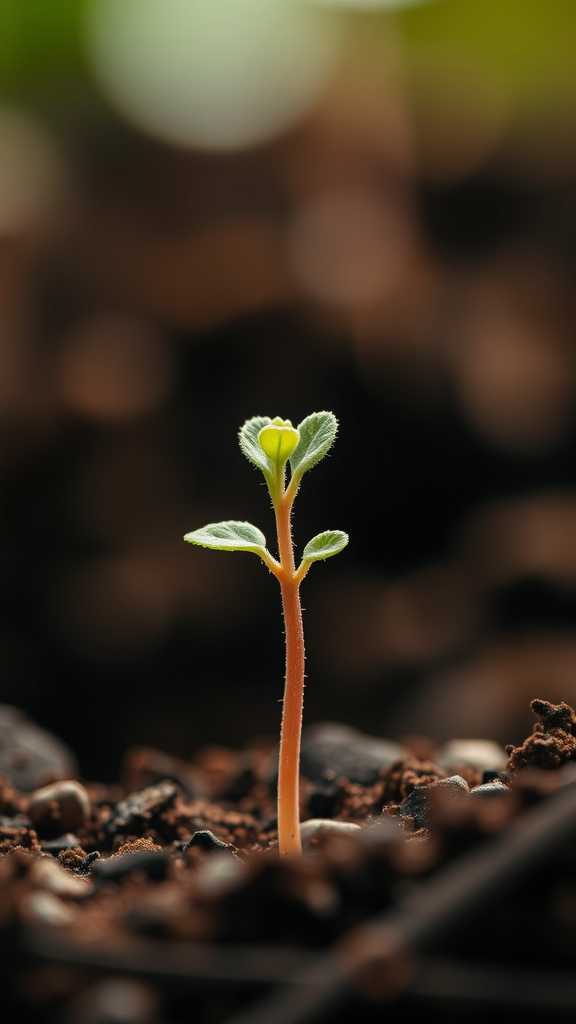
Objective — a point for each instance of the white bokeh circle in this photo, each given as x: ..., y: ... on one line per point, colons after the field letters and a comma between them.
x: 216, y: 74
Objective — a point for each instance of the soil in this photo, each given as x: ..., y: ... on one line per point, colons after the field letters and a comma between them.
x: 438, y: 887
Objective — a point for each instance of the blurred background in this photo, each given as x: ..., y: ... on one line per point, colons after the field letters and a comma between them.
x: 214, y: 210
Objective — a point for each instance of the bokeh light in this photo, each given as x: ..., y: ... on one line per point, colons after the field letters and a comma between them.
x: 33, y: 172
x: 215, y: 75
x: 349, y: 247
x: 114, y: 368
x: 512, y: 356
x: 525, y: 537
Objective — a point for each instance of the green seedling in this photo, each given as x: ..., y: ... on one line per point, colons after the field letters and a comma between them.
x: 271, y: 445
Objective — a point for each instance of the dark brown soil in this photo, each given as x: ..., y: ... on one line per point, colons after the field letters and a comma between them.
x: 456, y: 892
x: 552, y: 743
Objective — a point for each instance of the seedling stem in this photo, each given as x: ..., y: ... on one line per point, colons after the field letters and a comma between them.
x: 269, y: 445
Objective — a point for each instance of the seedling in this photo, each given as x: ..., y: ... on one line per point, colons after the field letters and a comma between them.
x: 270, y: 445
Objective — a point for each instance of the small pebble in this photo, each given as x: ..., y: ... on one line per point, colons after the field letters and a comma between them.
x: 483, y: 755
x: 417, y: 803
x: 494, y: 788
x: 49, y: 909
x: 48, y: 873
x: 346, y: 752
x: 59, y: 807
x: 137, y: 809
x: 315, y: 827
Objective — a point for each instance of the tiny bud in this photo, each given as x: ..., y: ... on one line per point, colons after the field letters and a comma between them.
x: 278, y: 440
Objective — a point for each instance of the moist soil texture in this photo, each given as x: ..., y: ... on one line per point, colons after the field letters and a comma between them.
x: 436, y: 881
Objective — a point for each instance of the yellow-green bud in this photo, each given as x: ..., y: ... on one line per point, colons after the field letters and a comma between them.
x: 278, y: 440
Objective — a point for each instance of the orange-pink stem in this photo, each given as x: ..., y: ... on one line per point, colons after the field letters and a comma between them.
x: 289, y: 841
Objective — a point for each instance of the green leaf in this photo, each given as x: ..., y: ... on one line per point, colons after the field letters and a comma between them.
x: 324, y: 545
x: 317, y: 435
x: 248, y: 437
x: 230, y: 536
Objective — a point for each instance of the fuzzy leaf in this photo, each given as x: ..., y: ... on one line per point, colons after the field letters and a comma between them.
x: 317, y: 435
x: 229, y: 536
x: 323, y: 545
x: 248, y: 437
